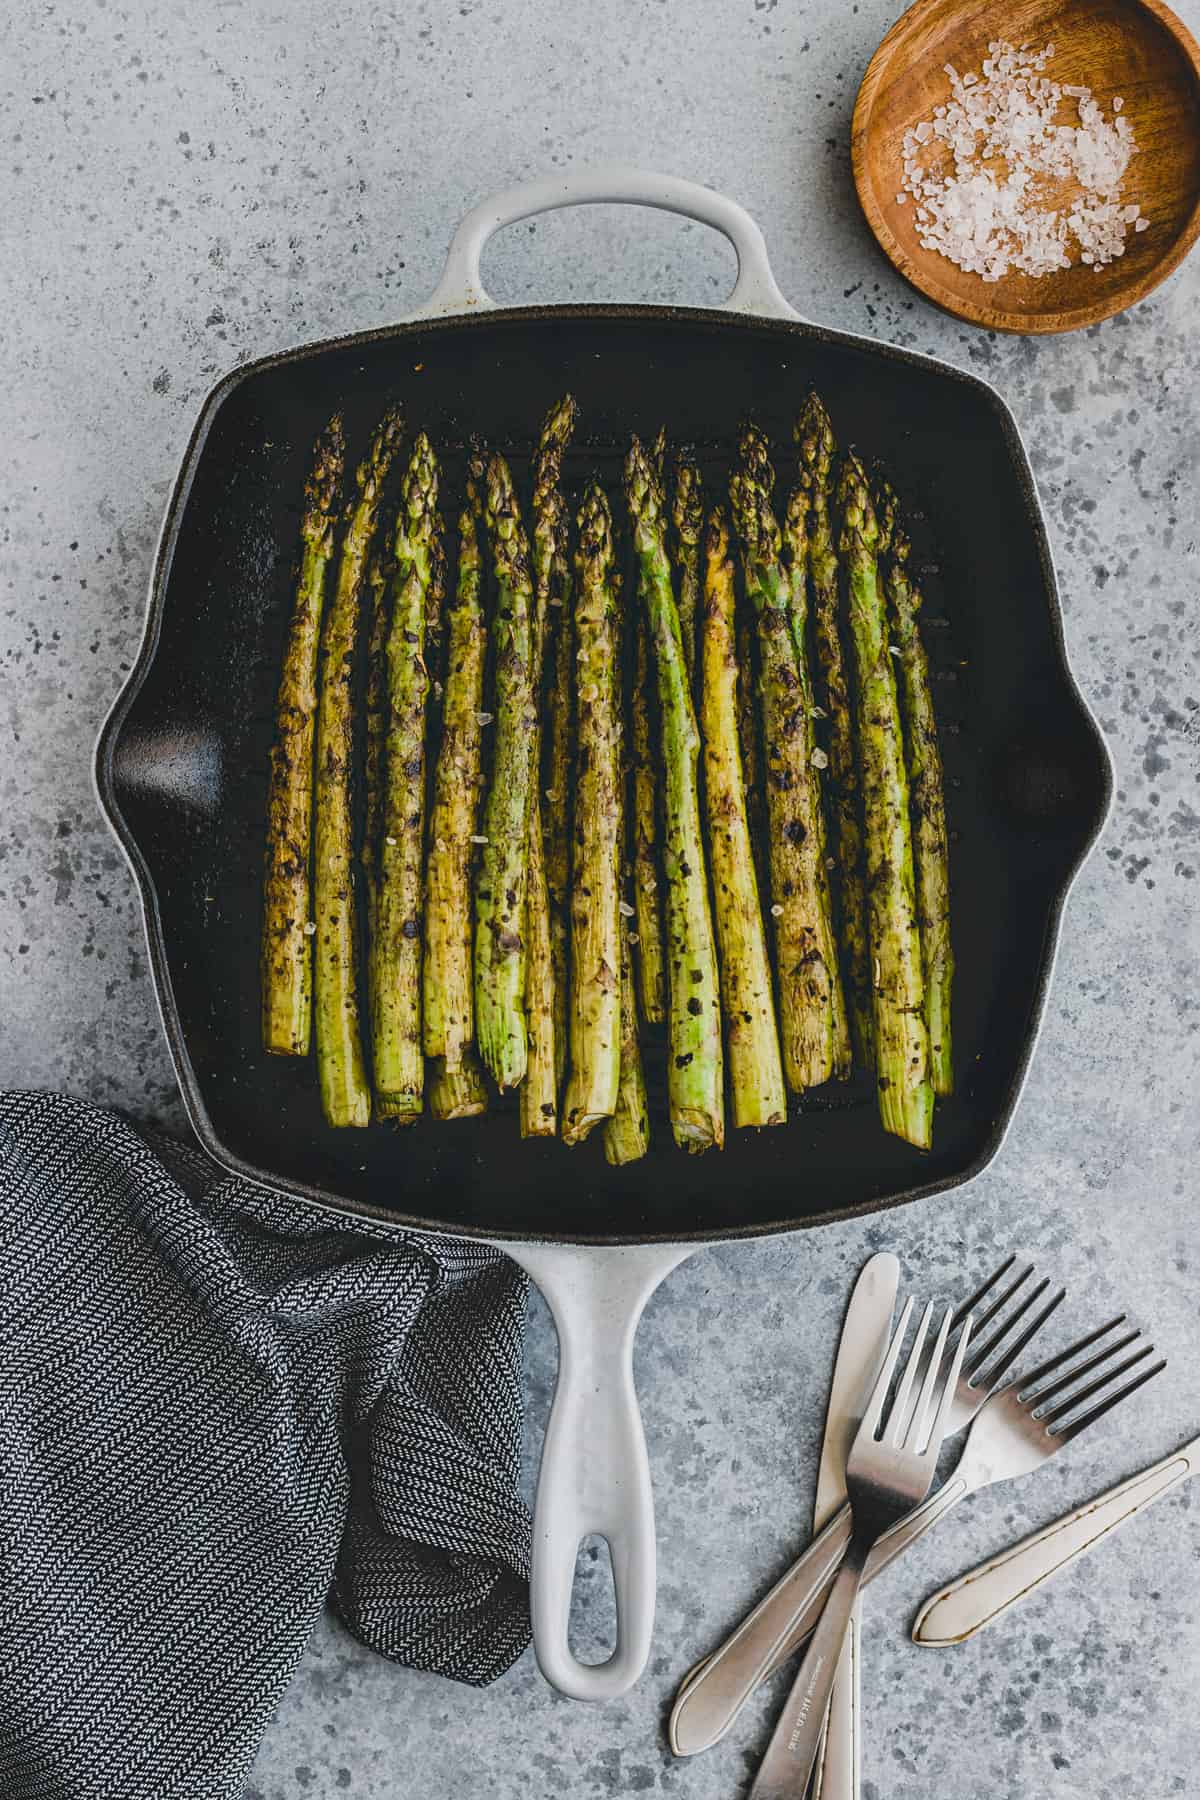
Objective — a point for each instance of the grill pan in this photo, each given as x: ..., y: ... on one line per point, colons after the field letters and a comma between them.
x: 181, y: 774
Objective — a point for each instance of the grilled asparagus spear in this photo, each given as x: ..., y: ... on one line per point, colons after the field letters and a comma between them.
x: 627, y: 1133
x: 375, y: 722
x: 345, y: 1090
x: 695, y: 1061
x: 927, y: 802
x: 751, y: 1035
x: 815, y: 442
x: 448, y: 989
x: 395, y: 960
x: 457, y: 1093
x: 595, y: 1004
x: 651, y: 960
x: 687, y: 514
x: 501, y: 879
x: 287, y: 895
x: 804, y: 943
x: 539, y: 1090
x: 795, y: 552
x: 901, y: 1037
x: 556, y: 793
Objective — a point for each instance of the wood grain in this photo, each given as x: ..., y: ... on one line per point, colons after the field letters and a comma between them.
x: 1135, y: 48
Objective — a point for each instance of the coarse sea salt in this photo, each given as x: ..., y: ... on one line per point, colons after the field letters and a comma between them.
x: 1001, y: 184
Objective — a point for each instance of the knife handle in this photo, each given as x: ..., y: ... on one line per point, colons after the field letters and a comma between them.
x: 839, y: 1772
x: 981, y: 1596
x: 710, y: 1698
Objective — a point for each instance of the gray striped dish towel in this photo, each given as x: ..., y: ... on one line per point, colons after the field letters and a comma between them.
x: 218, y: 1409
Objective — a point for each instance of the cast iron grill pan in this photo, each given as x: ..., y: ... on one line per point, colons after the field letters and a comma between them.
x: 183, y: 762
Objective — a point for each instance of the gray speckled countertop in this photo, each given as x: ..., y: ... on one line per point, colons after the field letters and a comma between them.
x: 188, y: 187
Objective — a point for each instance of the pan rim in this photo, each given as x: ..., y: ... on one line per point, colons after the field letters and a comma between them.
x: 104, y: 783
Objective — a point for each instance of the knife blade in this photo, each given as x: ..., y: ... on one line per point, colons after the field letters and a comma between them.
x: 865, y: 1336
x: 709, y: 1696
x: 981, y: 1596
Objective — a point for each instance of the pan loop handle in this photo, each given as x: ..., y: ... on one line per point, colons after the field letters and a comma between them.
x: 461, y: 288
x: 595, y: 1475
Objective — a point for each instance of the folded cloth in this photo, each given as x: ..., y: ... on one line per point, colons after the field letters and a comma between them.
x: 219, y: 1407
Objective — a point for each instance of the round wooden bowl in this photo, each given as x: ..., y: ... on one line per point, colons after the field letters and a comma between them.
x: 1137, y: 49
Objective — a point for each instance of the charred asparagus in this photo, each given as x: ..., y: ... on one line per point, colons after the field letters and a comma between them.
x: 287, y: 908
x: 345, y: 1090
x: 595, y: 1004
x: 695, y: 1060
x: 751, y: 1036
x: 502, y: 876
x: 815, y: 442
x: 901, y: 1037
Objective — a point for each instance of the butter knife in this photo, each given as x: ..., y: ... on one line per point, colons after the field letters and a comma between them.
x: 984, y: 1594
x: 711, y: 1694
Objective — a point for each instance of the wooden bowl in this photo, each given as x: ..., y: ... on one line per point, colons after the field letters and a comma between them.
x: 1137, y: 49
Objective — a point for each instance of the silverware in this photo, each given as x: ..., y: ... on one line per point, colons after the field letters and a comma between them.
x: 889, y: 1471
x: 864, y: 1342
x: 713, y: 1693
x: 982, y: 1596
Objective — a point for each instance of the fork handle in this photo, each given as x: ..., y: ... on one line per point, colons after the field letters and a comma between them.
x: 713, y: 1694
x: 796, y: 1739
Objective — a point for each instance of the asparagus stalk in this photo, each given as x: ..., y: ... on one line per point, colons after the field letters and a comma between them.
x: 447, y: 990
x: 751, y: 1035
x: 396, y: 955
x: 457, y: 1093
x: 651, y: 957
x: 502, y: 876
x: 557, y: 797
x: 595, y: 1024
x: 627, y: 1133
x: 815, y: 442
x: 375, y: 729
x: 341, y: 1069
x: 805, y: 949
x: 687, y: 515
x: 927, y: 800
x: 539, y: 1090
x: 795, y: 550
x: 287, y: 896
x: 750, y: 744
x: 695, y: 1061
x: 901, y: 1037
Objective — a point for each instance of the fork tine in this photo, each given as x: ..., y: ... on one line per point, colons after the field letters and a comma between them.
x: 1098, y: 1411
x: 1005, y: 1363
x: 1071, y: 1401
x: 894, y: 1430
x: 968, y: 1311
x: 970, y: 1308
x: 981, y: 1347
x: 1033, y: 1396
x: 915, y: 1437
x: 942, y: 1417
x: 1060, y: 1357
x: 879, y: 1393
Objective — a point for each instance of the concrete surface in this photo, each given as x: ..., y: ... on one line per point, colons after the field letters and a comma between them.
x: 187, y: 187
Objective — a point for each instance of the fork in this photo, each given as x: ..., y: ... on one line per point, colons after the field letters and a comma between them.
x: 714, y: 1691
x: 889, y: 1471
x: 1016, y: 1429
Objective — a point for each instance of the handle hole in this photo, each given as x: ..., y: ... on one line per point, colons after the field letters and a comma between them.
x: 592, y: 1632
x: 609, y: 253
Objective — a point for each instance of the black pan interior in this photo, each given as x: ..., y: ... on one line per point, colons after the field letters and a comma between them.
x: 182, y: 764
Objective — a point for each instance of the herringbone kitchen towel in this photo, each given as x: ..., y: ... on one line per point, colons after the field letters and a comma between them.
x: 217, y: 1408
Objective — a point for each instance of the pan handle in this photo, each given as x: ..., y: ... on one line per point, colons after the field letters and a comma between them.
x: 461, y: 288
x: 595, y: 1477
